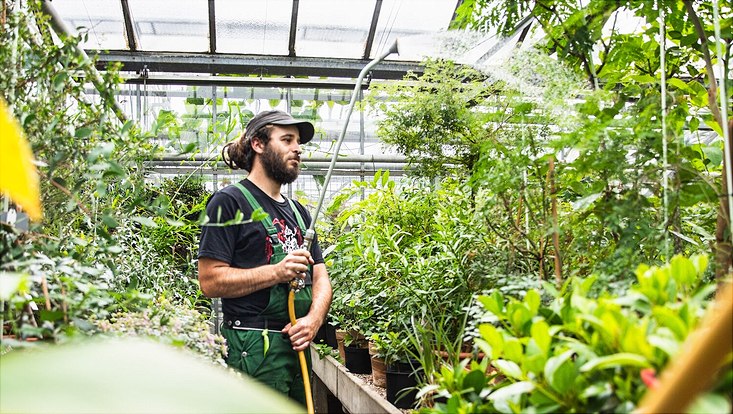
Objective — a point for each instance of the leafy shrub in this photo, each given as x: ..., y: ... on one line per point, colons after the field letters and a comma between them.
x: 578, y: 354
x: 169, y: 323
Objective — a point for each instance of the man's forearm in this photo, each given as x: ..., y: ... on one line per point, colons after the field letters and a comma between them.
x: 232, y: 282
x: 322, y: 293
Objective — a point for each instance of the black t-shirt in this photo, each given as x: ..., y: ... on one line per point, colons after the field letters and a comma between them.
x: 247, y: 245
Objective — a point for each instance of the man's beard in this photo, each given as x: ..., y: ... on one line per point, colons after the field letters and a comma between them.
x: 277, y: 168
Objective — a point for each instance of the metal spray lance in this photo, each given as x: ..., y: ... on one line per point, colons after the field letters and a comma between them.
x: 310, y: 234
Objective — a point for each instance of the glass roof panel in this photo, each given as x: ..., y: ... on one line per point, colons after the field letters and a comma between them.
x: 333, y: 28
x: 101, y: 18
x: 400, y: 19
x: 260, y: 27
x: 171, y: 25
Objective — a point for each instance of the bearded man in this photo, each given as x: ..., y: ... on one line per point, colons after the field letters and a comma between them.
x: 250, y: 264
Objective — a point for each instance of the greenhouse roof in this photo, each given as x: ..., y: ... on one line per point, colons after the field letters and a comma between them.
x: 331, y: 38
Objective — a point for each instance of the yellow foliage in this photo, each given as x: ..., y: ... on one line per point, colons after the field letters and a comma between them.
x: 18, y: 175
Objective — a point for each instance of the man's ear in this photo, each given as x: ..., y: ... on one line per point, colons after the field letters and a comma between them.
x: 257, y: 145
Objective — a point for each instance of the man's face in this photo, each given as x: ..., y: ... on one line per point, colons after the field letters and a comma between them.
x: 281, y: 155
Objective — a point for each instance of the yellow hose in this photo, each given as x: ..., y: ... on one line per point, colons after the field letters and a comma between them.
x: 301, y: 357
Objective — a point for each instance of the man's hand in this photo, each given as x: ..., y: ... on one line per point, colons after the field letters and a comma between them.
x: 302, y: 333
x: 295, y: 264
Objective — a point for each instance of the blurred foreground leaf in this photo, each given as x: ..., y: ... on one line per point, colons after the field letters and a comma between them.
x: 127, y: 376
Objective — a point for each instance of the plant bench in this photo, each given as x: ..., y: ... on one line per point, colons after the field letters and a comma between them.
x: 355, y: 396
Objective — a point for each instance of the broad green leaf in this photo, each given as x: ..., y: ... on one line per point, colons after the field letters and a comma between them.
x: 700, y: 261
x: 83, y: 132
x: 518, y: 388
x: 137, y: 376
x: 679, y: 84
x: 668, y: 345
x: 493, y: 303
x: 540, y: 332
x: 616, y: 360
x: 560, y: 371
x: 533, y: 363
x: 533, y: 300
x: 145, y: 221
x: 670, y: 319
x: 685, y: 238
x: 583, y: 203
x: 12, y: 283
x: 508, y: 368
x: 683, y: 271
x: 109, y: 221
x: 476, y: 380
x: 709, y: 403
x: 513, y: 349
x: 493, y: 338
x: 519, y: 315
x: 714, y: 154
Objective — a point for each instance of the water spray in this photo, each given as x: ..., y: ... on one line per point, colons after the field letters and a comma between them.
x: 298, y: 283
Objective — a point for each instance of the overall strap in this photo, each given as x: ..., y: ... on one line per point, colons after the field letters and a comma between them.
x: 271, y: 231
x: 301, y: 223
x: 268, y: 223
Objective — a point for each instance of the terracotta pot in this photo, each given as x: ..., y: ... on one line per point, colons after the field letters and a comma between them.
x: 379, y: 368
x: 340, y: 334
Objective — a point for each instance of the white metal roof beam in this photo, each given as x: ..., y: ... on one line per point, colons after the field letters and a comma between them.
x: 252, y: 64
x: 372, y: 29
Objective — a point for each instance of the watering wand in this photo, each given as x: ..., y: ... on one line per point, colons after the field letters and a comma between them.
x: 297, y: 284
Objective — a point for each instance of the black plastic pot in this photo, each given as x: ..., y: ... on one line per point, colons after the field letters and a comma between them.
x: 402, y: 380
x: 330, y: 331
x: 358, y: 360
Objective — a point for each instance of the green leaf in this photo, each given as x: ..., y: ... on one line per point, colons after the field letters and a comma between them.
x: 492, y: 337
x: 582, y: 204
x: 109, y: 221
x: 513, y: 349
x: 683, y: 271
x: 714, y: 154
x: 11, y: 283
x: 115, y: 249
x: 560, y: 371
x: 518, y: 388
x: 679, y: 84
x: 668, y: 318
x: 259, y: 215
x: 700, y: 261
x: 508, y: 368
x: 533, y: 300
x: 685, y: 238
x: 137, y: 376
x: 83, y: 132
x: 493, y: 303
x: 59, y: 80
x: 145, y: 221
x: 475, y: 380
x: 622, y: 359
x: 710, y: 403
x: 540, y: 332
x: 190, y: 147
x: 174, y: 223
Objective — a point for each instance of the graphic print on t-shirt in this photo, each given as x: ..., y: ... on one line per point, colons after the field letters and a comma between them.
x: 290, y: 239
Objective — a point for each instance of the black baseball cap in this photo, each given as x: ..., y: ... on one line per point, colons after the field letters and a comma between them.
x: 305, y: 128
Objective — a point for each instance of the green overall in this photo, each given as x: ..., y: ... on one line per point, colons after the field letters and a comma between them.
x: 268, y: 356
